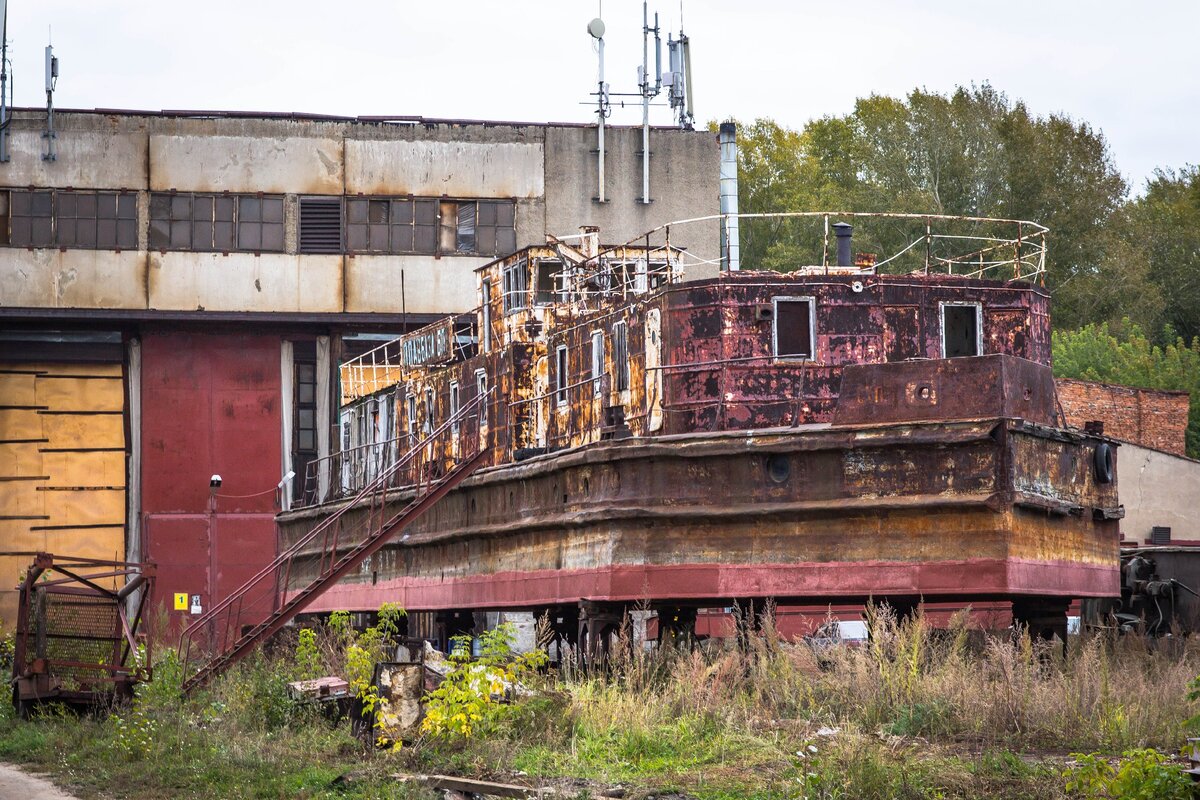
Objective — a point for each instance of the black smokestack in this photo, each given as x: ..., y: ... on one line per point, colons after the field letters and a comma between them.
x: 844, y: 232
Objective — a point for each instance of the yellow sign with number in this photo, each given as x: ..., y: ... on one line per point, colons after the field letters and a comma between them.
x: 181, y: 601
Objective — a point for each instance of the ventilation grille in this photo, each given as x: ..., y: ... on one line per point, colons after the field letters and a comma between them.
x: 1160, y: 535
x: 320, y: 225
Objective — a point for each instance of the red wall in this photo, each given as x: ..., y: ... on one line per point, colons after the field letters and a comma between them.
x: 210, y: 405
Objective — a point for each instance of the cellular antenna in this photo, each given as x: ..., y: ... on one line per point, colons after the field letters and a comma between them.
x: 648, y: 90
x: 679, y: 79
x: 51, y: 153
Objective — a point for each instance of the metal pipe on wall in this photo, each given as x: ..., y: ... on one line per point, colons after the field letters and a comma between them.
x: 730, y: 249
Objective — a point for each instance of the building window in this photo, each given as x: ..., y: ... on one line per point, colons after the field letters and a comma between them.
x: 320, y: 225
x: 216, y: 222
x: 549, y: 278
x: 96, y: 220
x: 514, y: 277
x: 597, y: 360
x: 485, y: 335
x: 66, y: 218
x: 411, y: 406
x: 477, y: 227
x: 481, y: 391
x: 454, y: 407
x: 429, y: 411
x: 620, y: 356
x: 560, y: 375
x: 792, y: 329
x: 962, y: 330
x: 391, y: 225
x: 304, y: 445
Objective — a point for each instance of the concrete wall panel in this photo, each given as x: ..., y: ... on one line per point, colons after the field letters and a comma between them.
x: 244, y: 282
x: 274, y: 165
x: 1160, y: 489
x: 87, y: 159
x: 456, y: 169
x: 684, y: 183
x: 431, y: 285
x: 49, y: 278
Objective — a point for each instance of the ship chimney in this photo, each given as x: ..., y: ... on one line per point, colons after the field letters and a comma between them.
x: 589, y: 240
x: 844, y: 231
x: 730, y: 252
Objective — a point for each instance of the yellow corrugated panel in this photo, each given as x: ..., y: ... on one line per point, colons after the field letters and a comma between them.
x: 21, y: 499
x: 16, y: 389
x: 17, y: 536
x: 79, y: 369
x: 105, y: 468
x: 22, y: 459
x: 85, y: 507
x: 83, y: 430
x: 81, y: 394
x: 20, y: 424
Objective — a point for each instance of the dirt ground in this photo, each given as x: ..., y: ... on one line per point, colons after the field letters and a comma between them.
x: 16, y: 784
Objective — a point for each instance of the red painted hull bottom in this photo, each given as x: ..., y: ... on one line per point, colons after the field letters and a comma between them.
x: 708, y: 585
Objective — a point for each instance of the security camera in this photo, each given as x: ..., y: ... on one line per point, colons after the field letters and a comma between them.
x: 214, y: 482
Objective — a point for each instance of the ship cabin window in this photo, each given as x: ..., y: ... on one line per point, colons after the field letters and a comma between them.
x: 485, y: 335
x: 793, y: 333
x: 597, y: 360
x: 481, y: 391
x: 454, y: 407
x: 411, y: 407
x: 515, y: 285
x: 620, y: 356
x: 547, y: 282
x: 429, y: 411
x: 962, y: 330
x: 560, y: 375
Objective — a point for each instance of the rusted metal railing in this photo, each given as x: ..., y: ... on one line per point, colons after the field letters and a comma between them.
x: 337, y: 545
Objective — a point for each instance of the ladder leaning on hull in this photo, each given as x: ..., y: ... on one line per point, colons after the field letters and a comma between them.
x: 265, y: 602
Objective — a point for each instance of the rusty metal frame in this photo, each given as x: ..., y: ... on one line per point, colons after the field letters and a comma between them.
x: 40, y: 674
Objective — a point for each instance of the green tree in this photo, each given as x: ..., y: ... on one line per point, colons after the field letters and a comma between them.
x: 969, y: 153
x: 1125, y: 355
x: 1166, y: 228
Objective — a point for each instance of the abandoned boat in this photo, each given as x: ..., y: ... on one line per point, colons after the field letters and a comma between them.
x: 601, y: 433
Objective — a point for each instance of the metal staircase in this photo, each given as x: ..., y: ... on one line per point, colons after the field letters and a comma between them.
x: 330, y: 551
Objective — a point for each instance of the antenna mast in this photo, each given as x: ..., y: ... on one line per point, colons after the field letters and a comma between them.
x: 648, y: 90
x: 4, y: 109
x: 596, y: 29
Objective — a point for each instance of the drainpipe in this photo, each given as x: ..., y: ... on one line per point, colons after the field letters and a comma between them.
x: 730, y: 248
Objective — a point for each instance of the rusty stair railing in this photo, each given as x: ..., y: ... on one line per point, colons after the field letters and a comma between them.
x: 340, y: 543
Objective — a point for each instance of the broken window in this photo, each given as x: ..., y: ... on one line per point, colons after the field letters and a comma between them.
x: 620, y: 356
x: 961, y: 330
x: 216, y: 222
x: 793, y: 332
x: 549, y: 278
x: 481, y: 391
x: 597, y: 360
x: 320, y: 225
x: 477, y: 227
x: 560, y: 375
x: 514, y: 277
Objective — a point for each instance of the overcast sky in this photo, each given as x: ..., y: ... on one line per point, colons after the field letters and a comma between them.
x: 1127, y: 68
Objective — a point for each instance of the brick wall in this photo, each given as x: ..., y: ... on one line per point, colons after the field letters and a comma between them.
x: 1148, y: 417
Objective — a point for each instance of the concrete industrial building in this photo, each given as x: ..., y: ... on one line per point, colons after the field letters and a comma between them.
x: 177, y: 290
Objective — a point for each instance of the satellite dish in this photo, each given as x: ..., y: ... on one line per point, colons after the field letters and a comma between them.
x: 596, y: 28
